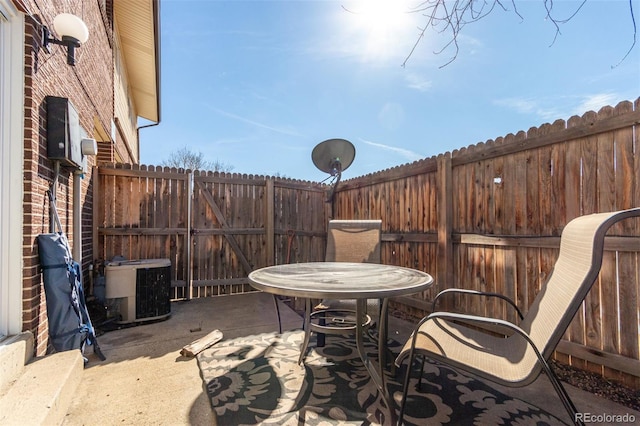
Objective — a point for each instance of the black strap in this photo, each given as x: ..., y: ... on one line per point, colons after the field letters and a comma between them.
x: 58, y: 266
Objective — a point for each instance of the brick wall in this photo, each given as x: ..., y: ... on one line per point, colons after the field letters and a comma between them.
x: 89, y: 87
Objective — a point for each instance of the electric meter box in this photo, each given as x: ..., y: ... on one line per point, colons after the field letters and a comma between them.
x: 64, y: 138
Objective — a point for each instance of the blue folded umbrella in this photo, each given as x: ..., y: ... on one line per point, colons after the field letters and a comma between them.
x: 69, y: 323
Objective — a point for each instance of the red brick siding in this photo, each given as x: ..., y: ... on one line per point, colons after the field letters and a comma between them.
x: 89, y: 86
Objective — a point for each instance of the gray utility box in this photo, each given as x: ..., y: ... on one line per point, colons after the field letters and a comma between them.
x: 64, y: 138
x: 139, y: 289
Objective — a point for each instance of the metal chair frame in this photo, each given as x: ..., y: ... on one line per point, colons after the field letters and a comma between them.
x: 517, y: 358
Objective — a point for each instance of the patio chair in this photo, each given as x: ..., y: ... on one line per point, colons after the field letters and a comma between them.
x: 517, y: 359
x: 347, y: 241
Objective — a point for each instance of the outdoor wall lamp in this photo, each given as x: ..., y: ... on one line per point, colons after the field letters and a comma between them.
x: 72, y: 31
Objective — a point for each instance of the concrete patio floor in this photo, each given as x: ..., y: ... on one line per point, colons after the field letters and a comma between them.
x: 145, y: 380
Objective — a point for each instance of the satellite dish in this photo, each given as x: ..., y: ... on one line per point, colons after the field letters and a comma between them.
x: 333, y: 156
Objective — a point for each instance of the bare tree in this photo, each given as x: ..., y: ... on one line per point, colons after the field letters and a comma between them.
x: 187, y: 159
x: 453, y: 15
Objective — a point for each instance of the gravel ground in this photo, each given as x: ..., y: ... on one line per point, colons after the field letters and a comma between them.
x: 597, y: 385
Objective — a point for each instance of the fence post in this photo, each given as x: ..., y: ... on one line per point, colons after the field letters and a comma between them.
x: 269, y: 221
x: 189, y: 261
x: 445, y: 223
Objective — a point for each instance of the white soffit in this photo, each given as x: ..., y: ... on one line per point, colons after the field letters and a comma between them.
x: 139, y: 33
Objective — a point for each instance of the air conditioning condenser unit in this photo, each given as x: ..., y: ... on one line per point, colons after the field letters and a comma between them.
x: 139, y: 289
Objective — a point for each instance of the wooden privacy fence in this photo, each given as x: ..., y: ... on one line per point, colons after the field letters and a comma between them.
x: 487, y: 217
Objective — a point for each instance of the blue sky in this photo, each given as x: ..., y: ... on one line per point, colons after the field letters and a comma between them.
x: 257, y: 84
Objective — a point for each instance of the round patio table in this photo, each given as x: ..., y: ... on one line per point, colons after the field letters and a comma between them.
x: 345, y: 280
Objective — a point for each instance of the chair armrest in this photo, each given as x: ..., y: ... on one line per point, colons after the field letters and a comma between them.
x: 485, y: 320
x: 452, y: 316
x: 476, y: 293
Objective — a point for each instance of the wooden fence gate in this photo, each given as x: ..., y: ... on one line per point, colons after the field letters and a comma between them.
x: 215, y: 228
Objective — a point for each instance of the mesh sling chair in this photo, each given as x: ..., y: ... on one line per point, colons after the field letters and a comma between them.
x: 347, y: 241
x: 516, y: 360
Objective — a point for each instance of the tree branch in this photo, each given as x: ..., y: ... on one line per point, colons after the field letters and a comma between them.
x: 633, y: 43
x: 452, y: 16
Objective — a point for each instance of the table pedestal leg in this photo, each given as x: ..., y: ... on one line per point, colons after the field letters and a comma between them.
x: 377, y: 374
x: 275, y: 302
x: 307, y: 330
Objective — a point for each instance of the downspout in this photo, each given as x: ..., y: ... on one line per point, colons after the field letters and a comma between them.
x: 77, y: 216
x: 89, y: 148
x: 138, y: 133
